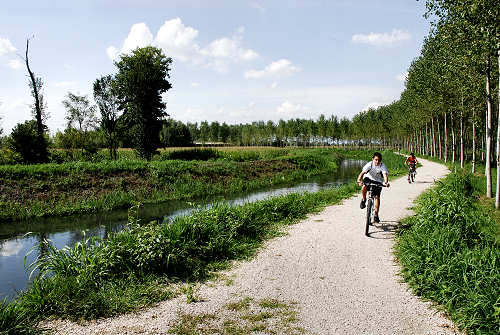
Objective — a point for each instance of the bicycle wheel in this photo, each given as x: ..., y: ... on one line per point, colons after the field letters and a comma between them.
x: 412, y: 176
x: 409, y: 177
x: 369, y: 205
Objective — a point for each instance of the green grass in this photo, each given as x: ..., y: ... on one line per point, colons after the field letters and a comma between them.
x: 28, y: 191
x: 450, y: 252
x: 137, y: 266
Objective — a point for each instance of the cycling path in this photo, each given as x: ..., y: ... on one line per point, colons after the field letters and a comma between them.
x: 343, y: 281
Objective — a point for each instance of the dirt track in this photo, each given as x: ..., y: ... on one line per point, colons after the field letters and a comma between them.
x: 342, y: 281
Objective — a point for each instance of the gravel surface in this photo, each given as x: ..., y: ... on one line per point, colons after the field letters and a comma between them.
x: 338, y: 280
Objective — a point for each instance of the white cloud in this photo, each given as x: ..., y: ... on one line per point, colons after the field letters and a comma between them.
x: 256, y: 5
x: 139, y: 36
x: 112, y: 52
x: 65, y: 84
x: 15, y: 64
x: 402, y: 76
x: 373, y: 105
x: 382, y: 39
x: 288, y: 110
x: 11, y: 248
x: 280, y: 68
x: 68, y: 67
x: 195, y: 84
x: 6, y: 46
x: 274, y: 85
x: 180, y: 42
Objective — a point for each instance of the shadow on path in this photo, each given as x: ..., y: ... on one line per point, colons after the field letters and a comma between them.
x: 384, y: 230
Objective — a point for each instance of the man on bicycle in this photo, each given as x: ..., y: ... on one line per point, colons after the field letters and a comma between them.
x: 374, y: 172
x: 411, y: 161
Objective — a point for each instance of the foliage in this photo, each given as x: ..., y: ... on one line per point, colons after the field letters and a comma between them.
x: 175, y: 134
x: 24, y: 140
x: 108, y: 107
x: 80, y: 113
x: 14, y: 320
x: 450, y: 254
x: 192, y: 154
x: 139, y: 84
x: 94, y: 279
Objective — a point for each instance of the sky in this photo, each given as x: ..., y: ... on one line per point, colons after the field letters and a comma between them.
x: 234, y: 61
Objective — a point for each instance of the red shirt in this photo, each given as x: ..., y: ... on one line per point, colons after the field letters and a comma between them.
x: 412, y: 160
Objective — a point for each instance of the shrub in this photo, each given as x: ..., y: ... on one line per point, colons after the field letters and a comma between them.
x: 25, y: 141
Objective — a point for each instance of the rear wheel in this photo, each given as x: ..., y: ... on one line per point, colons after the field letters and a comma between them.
x: 369, y: 205
x: 413, y: 176
x: 409, y: 177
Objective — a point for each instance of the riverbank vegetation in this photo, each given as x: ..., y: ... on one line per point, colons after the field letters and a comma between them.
x: 138, y: 266
x: 76, y: 187
x: 450, y: 250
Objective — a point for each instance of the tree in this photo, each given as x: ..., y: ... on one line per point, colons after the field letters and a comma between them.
x: 139, y: 84
x: 38, y: 109
x: 107, y: 103
x: 24, y: 141
x: 175, y: 134
x: 80, y: 114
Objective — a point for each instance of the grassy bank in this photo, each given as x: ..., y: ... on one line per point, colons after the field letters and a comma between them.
x: 138, y: 266
x: 450, y: 252
x: 78, y: 187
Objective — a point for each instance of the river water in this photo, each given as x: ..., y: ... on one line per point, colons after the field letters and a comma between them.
x: 18, y: 238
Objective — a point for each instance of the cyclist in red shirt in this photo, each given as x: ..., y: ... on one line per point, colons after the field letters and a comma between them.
x: 411, y: 161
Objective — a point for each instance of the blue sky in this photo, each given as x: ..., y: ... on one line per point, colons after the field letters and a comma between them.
x: 233, y: 60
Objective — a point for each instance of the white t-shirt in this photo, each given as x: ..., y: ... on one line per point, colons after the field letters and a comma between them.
x: 374, y: 172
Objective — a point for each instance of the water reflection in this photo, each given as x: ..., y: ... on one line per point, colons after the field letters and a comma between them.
x: 15, y: 243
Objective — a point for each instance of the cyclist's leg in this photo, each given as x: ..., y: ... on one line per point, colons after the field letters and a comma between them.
x: 377, y: 204
x: 363, y: 192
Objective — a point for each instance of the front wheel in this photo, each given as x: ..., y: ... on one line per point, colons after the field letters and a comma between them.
x: 412, y: 176
x: 369, y: 205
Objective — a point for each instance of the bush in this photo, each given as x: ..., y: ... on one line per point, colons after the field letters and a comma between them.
x: 25, y: 141
x: 191, y: 154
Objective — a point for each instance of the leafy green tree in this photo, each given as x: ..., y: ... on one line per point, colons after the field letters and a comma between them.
x: 140, y: 82
x: 175, y: 134
x: 204, y: 132
x: 80, y: 114
x: 24, y: 140
x: 107, y: 102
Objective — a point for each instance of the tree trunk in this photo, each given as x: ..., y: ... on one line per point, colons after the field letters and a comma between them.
x: 445, y: 140
x: 473, y: 141
x: 433, y: 138
x: 462, y: 138
x: 497, y: 196
x: 439, y: 138
x: 488, y: 129
x: 452, y: 137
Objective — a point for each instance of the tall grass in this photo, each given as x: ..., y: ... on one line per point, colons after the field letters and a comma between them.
x: 450, y: 254
x: 101, y: 279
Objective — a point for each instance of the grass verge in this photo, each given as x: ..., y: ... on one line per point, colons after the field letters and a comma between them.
x: 450, y: 251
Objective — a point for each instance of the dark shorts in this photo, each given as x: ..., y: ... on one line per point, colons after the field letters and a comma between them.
x: 375, y: 189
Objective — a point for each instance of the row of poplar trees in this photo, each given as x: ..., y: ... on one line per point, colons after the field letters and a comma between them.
x: 447, y: 109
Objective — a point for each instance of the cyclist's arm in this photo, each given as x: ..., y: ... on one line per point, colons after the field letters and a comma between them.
x: 360, y: 177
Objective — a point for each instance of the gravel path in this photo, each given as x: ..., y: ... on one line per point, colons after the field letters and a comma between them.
x: 338, y: 280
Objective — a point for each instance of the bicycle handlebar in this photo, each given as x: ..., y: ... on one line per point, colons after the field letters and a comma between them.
x: 374, y: 184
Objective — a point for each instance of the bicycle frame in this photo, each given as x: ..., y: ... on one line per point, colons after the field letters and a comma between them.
x: 370, y: 205
x: 411, y: 172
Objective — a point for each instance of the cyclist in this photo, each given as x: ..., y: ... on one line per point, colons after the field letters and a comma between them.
x: 411, y: 161
x: 373, y: 172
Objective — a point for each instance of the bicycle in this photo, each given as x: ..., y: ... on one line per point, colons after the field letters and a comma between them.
x: 370, y: 204
x: 411, y: 173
